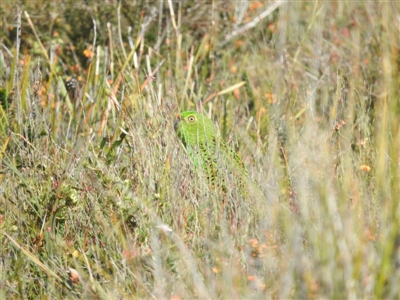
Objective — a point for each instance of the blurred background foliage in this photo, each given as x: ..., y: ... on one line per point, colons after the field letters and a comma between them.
x: 98, y: 198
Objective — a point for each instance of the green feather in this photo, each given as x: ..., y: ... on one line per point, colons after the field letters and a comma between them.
x: 204, y: 146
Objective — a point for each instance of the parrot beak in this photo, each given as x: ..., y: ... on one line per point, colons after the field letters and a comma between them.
x: 178, y: 119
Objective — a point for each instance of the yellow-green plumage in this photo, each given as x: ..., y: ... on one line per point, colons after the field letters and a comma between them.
x: 206, y: 149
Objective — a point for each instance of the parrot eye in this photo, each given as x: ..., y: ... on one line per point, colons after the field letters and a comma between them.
x: 191, y: 119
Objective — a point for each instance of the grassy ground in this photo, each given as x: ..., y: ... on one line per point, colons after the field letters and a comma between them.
x: 99, y: 199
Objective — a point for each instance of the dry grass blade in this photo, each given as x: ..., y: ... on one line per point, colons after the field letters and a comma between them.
x: 306, y: 93
x: 34, y: 259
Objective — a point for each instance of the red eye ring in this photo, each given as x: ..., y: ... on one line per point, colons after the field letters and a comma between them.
x: 191, y: 119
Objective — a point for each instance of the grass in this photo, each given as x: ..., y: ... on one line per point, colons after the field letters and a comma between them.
x: 99, y: 199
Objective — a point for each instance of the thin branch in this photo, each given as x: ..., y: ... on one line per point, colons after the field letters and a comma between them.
x: 254, y: 22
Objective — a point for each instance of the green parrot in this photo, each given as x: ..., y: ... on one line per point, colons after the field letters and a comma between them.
x: 208, y: 151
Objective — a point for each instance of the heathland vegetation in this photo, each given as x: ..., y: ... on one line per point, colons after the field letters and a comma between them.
x: 100, y: 200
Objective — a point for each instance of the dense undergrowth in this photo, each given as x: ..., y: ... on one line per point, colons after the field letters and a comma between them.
x: 99, y: 199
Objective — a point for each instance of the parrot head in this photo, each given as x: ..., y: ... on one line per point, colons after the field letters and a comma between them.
x: 194, y: 128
